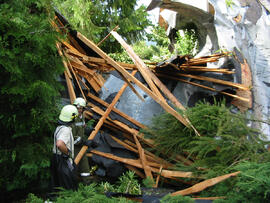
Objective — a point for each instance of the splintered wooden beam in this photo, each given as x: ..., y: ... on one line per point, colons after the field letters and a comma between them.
x: 205, y: 87
x: 137, y: 163
x: 90, y: 75
x: 123, y: 126
x: 140, y: 65
x: 128, y: 147
x: 149, y: 155
x: 152, y: 80
x: 76, y: 78
x: 107, y: 36
x: 146, y: 168
x: 151, y: 144
x: 101, y: 121
x: 222, y: 82
x: 107, y: 122
x: 96, y: 60
x: 158, y: 177
x: 68, y: 76
x: 135, y: 122
x: 246, y: 79
x: 71, y: 91
x: 71, y: 39
x: 213, y: 70
x: 204, y: 184
x: 126, y: 74
x: 83, y: 83
x: 200, y: 69
x: 138, y: 172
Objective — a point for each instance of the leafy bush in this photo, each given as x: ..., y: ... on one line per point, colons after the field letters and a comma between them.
x: 186, y: 42
x: 127, y: 183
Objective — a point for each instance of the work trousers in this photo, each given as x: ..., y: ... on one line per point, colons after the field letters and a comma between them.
x: 83, y: 166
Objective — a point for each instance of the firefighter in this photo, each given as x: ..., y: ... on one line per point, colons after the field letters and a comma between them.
x: 63, y: 168
x: 80, y: 138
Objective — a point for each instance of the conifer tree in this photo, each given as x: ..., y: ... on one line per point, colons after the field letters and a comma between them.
x: 96, y: 18
x: 29, y: 67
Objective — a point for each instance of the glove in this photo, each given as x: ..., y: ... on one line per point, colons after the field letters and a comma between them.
x: 90, y: 143
x: 78, y: 141
x: 67, y: 155
x: 88, y: 130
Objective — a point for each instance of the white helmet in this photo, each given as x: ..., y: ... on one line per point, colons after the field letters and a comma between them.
x: 80, y: 102
x: 68, y: 113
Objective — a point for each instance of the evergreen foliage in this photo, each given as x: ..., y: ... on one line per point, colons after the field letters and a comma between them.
x: 177, y: 199
x: 29, y: 66
x: 127, y: 183
x: 251, y: 185
x: 96, y: 18
x: 225, y: 140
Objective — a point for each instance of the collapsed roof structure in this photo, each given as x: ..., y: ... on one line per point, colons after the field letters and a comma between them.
x: 85, y: 64
x: 239, y: 26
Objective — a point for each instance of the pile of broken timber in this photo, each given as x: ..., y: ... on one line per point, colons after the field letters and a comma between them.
x: 185, y: 67
x: 79, y: 68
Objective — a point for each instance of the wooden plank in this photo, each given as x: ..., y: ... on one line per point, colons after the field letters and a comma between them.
x: 71, y: 91
x: 139, y: 64
x: 162, y: 161
x: 145, y: 166
x: 58, y: 46
x: 132, y: 168
x: 158, y: 177
x: 135, y: 122
x: 137, y: 163
x: 178, y: 157
x: 204, y: 184
x: 133, y: 149
x: 68, y: 76
x: 70, y: 37
x: 126, y: 74
x: 122, y: 126
x: 222, y: 82
x: 93, y: 76
x: 117, y: 26
x: 76, y: 78
x: 101, y: 121
x: 107, y: 124
x: 82, y: 82
x: 205, y: 87
x: 151, y: 79
x: 90, y: 80
x: 100, y: 61
x: 70, y: 47
x: 246, y: 79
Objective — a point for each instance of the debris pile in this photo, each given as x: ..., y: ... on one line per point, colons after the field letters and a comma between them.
x: 85, y: 64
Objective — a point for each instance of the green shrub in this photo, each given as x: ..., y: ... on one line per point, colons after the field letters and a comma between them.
x: 177, y: 199
x: 225, y: 140
x: 29, y: 67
